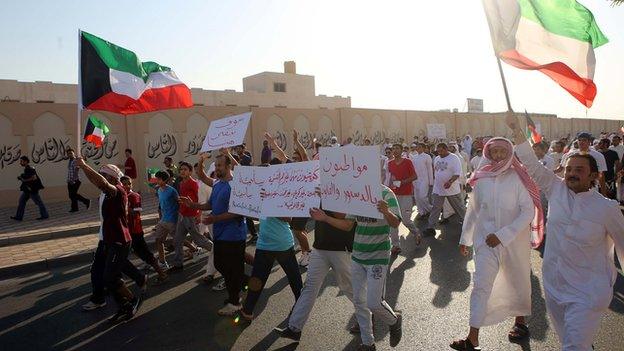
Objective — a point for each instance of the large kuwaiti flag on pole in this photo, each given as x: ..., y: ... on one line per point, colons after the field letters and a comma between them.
x: 113, y: 79
x: 556, y: 37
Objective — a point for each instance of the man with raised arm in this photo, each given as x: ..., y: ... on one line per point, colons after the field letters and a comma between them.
x: 116, y: 240
x: 583, y: 226
x: 229, y: 231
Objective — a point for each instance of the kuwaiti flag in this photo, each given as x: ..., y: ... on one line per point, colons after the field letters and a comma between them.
x: 95, y: 131
x: 113, y: 79
x: 556, y: 37
x: 531, y: 130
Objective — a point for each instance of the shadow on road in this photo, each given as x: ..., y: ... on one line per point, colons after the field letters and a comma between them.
x: 448, y: 267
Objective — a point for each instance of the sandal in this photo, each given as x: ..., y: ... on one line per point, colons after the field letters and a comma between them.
x: 463, y: 345
x: 518, y: 332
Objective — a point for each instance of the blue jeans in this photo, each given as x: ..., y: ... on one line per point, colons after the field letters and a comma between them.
x: 36, y: 199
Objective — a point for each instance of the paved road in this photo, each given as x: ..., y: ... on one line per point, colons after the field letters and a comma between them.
x: 431, y: 284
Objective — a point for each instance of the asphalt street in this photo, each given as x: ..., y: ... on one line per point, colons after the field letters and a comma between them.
x: 431, y: 284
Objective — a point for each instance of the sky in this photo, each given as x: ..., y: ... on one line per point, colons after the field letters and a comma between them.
x: 405, y: 55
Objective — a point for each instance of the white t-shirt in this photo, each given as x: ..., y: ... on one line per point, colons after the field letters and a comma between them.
x: 474, y: 163
x: 602, y: 164
x: 444, y: 168
x: 619, y: 149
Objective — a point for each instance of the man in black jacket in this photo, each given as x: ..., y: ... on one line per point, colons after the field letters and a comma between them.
x: 31, y: 184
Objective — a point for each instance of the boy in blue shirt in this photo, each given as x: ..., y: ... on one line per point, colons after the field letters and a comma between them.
x: 168, y: 201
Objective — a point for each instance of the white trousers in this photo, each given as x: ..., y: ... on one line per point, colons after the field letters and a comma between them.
x: 321, y: 261
x: 406, y: 204
x: 576, y: 323
x: 210, y: 267
x: 369, y: 284
x: 421, y: 195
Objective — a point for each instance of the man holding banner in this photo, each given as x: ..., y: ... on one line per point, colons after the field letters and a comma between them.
x: 369, y: 265
x: 230, y: 233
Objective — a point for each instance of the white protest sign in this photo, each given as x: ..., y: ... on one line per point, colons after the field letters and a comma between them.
x: 245, y: 195
x: 226, y: 132
x: 436, y: 131
x: 290, y: 189
x: 351, y: 180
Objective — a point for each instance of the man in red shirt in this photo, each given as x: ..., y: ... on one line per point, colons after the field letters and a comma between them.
x: 402, y: 174
x: 139, y: 246
x: 130, y: 169
x: 188, y: 220
x: 116, y: 240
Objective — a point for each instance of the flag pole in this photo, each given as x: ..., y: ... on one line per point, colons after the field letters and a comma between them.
x: 502, y: 75
x: 79, y: 97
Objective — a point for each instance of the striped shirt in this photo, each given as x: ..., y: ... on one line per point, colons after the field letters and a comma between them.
x: 371, y: 244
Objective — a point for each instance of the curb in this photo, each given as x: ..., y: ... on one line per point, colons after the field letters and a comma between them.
x: 60, y: 262
x: 28, y: 239
x: 54, y: 263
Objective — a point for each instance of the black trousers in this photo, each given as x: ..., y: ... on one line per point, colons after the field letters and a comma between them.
x: 263, y: 263
x: 250, y: 226
x: 229, y: 260
x: 108, y: 264
x: 72, y: 190
x: 140, y: 248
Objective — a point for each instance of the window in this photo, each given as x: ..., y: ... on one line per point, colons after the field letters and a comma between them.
x: 279, y: 87
x: 231, y: 105
x: 198, y: 104
x: 45, y: 101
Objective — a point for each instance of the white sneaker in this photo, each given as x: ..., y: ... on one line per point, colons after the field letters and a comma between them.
x: 304, y: 260
x: 90, y: 306
x: 198, y: 255
x: 229, y: 310
x: 219, y: 286
x: 163, y: 265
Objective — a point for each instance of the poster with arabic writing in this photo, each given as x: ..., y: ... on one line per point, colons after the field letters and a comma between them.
x: 247, y: 182
x: 351, y: 180
x: 290, y: 189
x: 226, y: 132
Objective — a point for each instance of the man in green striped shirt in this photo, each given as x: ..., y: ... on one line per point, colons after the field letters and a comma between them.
x: 369, y: 266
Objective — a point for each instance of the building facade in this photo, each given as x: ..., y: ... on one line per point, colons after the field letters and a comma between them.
x: 39, y: 120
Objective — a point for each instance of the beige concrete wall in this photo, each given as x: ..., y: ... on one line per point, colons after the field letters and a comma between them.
x: 43, y: 130
x: 375, y: 125
x: 416, y: 123
x: 280, y: 122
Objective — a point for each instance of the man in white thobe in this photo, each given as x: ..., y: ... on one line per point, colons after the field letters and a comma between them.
x: 423, y: 164
x: 497, y: 226
x: 467, y: 145
x: 583, y: 228
x: 447, y: 210
x: 476, y: 161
